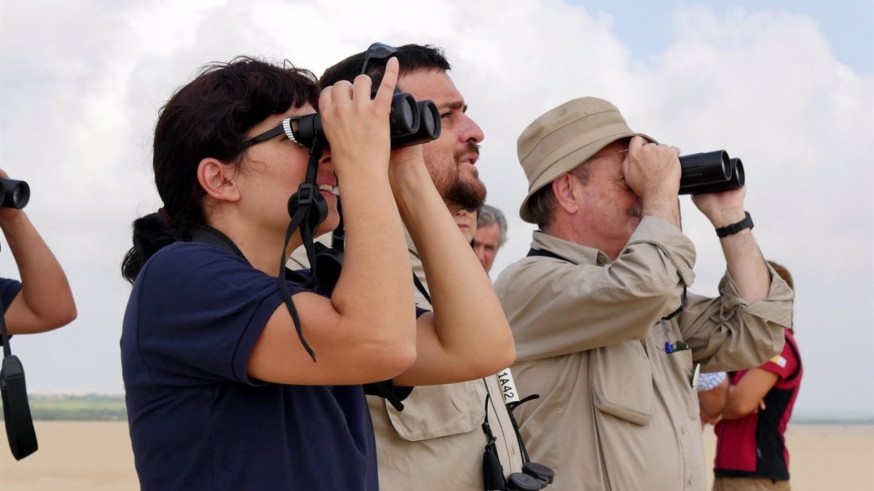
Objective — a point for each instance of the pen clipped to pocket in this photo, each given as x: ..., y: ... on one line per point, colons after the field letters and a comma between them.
x: 675, y: 347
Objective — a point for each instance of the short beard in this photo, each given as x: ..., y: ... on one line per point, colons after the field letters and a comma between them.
x: 469, y: 195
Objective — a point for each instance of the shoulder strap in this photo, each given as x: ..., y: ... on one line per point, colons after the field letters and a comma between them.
x: 421, y: 288
x: 16, y: 409
x: 209, y: 235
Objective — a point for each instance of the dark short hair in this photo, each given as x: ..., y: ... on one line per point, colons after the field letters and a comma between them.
x: 411, y: 57
x: 209, y: 117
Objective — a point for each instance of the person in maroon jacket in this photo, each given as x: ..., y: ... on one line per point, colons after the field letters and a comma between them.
x: 751, y: 451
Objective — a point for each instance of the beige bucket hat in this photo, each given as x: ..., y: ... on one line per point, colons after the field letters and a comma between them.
x: 565, y: 137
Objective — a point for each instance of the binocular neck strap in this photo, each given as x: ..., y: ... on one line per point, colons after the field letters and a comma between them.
x: 302, y: 217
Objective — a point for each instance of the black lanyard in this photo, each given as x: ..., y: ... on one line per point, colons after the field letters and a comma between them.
x: 16, y: 411
x: 534, y: 476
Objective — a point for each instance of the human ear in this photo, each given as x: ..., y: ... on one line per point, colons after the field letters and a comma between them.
x: 564, y: 190
x: 217, y: 180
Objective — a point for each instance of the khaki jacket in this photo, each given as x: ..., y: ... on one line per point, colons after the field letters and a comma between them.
x: 616, y: 410
x: 437, y: 442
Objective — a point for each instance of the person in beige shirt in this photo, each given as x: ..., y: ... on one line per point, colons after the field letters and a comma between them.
x: 605, y: 330
x: 437, y: 441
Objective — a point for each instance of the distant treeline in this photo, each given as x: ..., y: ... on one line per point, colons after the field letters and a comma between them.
x: 90, y: 407
x: 102, y: 407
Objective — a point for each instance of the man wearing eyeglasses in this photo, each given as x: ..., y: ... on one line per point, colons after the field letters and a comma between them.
x: 605, y: 331
x: 437, y: 442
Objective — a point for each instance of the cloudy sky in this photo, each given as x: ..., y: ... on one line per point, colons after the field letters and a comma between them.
x: 788, y: 86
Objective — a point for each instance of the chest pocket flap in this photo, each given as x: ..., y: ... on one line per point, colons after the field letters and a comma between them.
x: 440, y: 410
x: 621, y: 380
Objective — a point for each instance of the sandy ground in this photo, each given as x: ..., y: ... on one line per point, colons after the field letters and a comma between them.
x: 96, y: 456
x: 72, y: 456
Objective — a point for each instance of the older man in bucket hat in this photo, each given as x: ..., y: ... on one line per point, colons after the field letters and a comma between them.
x: 605, y: 331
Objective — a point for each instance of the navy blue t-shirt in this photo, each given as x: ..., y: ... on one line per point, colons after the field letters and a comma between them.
x: 8, y: 290
x: 197, y: 421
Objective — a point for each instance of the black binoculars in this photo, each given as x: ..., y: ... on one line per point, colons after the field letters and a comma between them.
x: 710, y: 172
x: 411, y: 122
x: 14, y: 194
x: 533, y: 477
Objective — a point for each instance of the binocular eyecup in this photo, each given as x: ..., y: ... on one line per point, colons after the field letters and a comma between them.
x: 14, y: 194
x: 533, y: 477
x: 411, y: 122
x: 710, y: 172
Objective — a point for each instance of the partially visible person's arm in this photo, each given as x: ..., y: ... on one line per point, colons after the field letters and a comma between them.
x: 745, y: 325
x: 712, y: 400
x: 746, y: 396
x: 45, y: 301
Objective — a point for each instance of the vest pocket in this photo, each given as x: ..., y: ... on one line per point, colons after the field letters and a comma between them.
x: 621, y: 380
x: 440, y: 410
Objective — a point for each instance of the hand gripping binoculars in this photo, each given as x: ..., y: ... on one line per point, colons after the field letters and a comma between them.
x: 411, y: 122
x: 14, y: 194
x: 710, y: 172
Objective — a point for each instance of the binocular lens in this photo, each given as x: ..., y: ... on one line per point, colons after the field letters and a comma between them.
x: 411, y: 122
x: 737, y: 173
x: 430, y: 117
x: 428, y: 127
x: 404, y: 118
x: 734, y: 182
x: 14, y: 194
x: 710, y: 172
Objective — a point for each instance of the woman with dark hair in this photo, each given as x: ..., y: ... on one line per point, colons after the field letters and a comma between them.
x: 220, y: 390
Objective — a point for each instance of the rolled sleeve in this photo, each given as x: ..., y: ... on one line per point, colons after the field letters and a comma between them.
x: 727, y: 333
